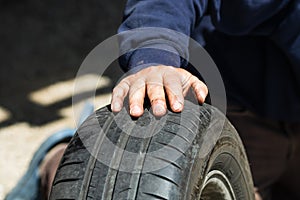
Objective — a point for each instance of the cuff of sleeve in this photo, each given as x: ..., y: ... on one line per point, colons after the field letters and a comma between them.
x: 145, y: 57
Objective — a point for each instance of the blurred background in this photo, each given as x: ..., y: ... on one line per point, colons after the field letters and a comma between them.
x: 42, y: 44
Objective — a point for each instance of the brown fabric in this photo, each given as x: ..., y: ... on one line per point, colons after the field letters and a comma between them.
x: 48, y: 169
x: 273, y: 149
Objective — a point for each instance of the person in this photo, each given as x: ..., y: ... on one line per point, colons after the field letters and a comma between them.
x: 256, y: 46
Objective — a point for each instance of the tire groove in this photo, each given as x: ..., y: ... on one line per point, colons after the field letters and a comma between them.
x: 124, y: 190
x: 181, y: 125
x: 155, y: 196
x: 92, y: 160
x: 64, y: 199
x: 164, y: 178
x: 168, y: 161
x: 116, y: 161
x: 172, y: 147
x: 136, y: 177
x: 70, y: 163
x: 65, y: 180
x: 205, y: 115
x: 182, y: 137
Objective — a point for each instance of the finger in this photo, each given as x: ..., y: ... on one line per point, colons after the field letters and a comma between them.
x: 136, y: 98
x: 173, y: 87
x: 257, y: 194
x: 118, y: 95
x: 200, y: 89
x: 156, y: 94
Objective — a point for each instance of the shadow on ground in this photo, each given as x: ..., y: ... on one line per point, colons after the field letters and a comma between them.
x: 44, y: 42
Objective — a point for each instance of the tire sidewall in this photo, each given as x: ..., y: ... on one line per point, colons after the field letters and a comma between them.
x: 228, y: 145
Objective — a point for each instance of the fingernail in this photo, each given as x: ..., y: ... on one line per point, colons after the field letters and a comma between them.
x: 116, y: 107
x: 177, y: 105
x: 159, y: 109
x: 135, y: 110
x: 202, y: 94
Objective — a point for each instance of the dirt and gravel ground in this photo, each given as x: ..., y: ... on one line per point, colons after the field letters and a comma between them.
x: 42, y: 44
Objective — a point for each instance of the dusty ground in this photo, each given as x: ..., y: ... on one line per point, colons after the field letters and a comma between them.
x: 42, y: 45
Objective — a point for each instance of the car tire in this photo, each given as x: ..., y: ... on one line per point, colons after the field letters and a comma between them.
x: 195, y: 154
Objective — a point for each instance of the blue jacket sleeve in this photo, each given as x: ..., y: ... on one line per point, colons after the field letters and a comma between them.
x: 287, y: 37
x: 177, y: 15
x: 247, y: 17
x: 233, y: 17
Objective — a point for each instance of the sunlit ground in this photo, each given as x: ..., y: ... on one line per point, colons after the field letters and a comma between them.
x: 19, y: 141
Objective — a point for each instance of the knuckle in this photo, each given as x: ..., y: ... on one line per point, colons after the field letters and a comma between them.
x: 195, y: 79
x: 116, y: 90
x: 134, y: 94
x: 155, y: 87
x: 173, y: 92
x: 158, y: 100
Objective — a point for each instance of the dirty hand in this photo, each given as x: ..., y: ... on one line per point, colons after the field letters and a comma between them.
x: 155, y: 81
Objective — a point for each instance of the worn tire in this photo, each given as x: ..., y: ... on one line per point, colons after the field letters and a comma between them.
x: 208, y: 165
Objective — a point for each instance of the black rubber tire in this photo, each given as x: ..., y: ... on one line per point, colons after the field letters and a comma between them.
x: 82, y: 176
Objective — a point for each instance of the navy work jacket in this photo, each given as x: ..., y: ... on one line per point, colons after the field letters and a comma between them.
x: 255, y: 44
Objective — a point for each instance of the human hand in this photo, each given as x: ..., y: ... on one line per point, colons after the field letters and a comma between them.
x: 155, y: 81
